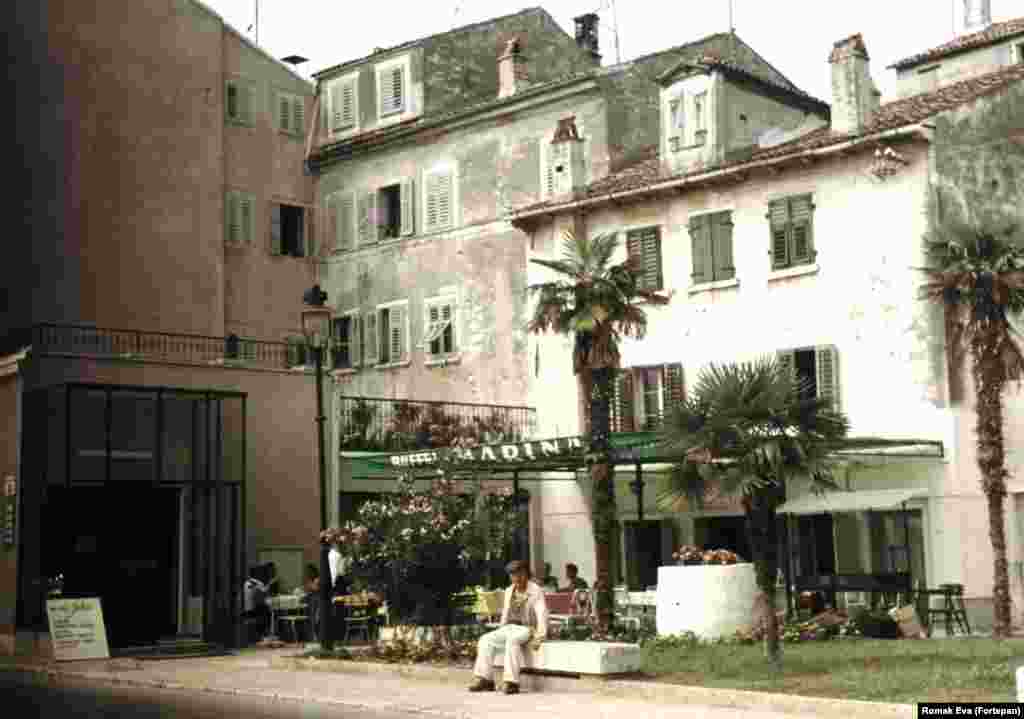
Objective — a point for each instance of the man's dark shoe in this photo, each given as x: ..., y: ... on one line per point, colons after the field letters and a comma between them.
x: 482, y: 685
x: 511, y: 688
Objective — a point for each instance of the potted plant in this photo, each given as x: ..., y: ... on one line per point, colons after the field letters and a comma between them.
x: 688, y: 555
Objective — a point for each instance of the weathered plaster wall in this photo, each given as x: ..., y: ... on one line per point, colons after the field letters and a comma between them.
x: 956, y: 68
x: 745, y: 115
x: 263, y: 293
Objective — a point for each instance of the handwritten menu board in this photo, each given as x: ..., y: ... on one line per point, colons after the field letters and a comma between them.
x: 77, y: 629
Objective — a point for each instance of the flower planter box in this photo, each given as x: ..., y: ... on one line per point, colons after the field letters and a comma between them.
x: 709, y: 600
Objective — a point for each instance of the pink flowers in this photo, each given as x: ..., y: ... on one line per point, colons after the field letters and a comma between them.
x: 689, y: 554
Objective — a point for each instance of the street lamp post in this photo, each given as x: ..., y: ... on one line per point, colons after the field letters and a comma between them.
x: 316, y: 328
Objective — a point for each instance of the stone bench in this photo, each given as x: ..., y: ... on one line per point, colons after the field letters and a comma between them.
x: 579, y: 659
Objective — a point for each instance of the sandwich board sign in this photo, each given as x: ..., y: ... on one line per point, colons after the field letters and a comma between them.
x: 77, y: 629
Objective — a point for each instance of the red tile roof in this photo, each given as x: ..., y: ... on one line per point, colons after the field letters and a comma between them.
x: 891, y: 116
x: 996, y: 32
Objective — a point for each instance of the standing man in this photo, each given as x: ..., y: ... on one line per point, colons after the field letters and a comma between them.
x: 524, y: 619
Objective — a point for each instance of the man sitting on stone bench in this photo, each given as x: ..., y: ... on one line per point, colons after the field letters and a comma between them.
x: 524, y: 619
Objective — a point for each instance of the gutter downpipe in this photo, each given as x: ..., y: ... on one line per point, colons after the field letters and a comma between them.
x: 921, y: 130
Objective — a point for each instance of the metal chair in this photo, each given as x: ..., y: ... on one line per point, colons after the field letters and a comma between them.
x: 621, y: 598
x: 952, y: 610
x: 291, y: 620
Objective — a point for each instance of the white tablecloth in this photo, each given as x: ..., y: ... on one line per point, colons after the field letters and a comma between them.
x: 642, y: 599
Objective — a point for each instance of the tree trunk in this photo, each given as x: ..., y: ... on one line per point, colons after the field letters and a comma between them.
x: 604, y: 491
x: 763, y: 536
x: 989, y: 379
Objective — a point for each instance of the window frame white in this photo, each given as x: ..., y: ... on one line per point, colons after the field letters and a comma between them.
x: 405, y: 63
x: 378, y: 310
x: 355, y: 363
x: 447, y: 296
x: 341, y: 80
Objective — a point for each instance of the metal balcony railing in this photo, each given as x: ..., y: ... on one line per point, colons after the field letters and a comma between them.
x: 388, y: 425
x: 54, y: 339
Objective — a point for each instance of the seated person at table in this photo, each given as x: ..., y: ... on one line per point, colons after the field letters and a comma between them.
x: 312, y: 598
x: 254, y: 593
x: 549, y: 581
x: 524, y: 619
x: 574, y: 580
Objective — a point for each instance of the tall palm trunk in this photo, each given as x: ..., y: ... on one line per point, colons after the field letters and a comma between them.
x: 604, y: 489
x: 989, y: 379
x: 763, y: 535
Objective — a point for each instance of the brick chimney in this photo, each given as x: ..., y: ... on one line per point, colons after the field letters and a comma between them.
x: 586, y: 35
x: 977, y: 15
x: 855, y: 98
x: 512, y: 76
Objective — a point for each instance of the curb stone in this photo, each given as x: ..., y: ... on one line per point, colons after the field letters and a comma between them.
x: 623, y: 688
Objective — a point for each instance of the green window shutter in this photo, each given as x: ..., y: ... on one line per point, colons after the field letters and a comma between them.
x: 370, y: 348
x: 285, y: 112
x: 448, y: 336
x: 331, y: 224
x: 356, y: 339
x: 439, y: 201
x: 275, y: 229
x: 337, y: 93
x: 396, y: 325
x: 700, y: 244
x: 406, y: 194
x: 778, y: 220
x: 787, y: 360
x: 653, y: 278
x: 624, y: 419
x: 635, y: 254
x: 232, y: 230
x: 392, y: 90
x: 232, y: 101
x: 397, y: 89
x: 671, y: 386
x: 721, y: 229
x: 246, y: 103
x: 298, y: 115
x: 345, y: 230
x: 347, y: 116
x: 433, y: 317
x: 826, y: 364
x: 246, y: 210
x: 802, y: 248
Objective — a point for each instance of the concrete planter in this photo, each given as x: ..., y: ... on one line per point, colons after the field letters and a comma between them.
x: 416, y: 635
x: 709, y: 600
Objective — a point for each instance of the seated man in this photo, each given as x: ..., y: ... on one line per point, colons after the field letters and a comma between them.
x: 549, y: 581
x: 524, y: 618
x: 574, y: 580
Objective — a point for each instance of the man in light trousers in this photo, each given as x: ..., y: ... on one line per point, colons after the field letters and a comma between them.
x: 524, y: 620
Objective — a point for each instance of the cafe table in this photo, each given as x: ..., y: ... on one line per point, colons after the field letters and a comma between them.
x: 282, y: 603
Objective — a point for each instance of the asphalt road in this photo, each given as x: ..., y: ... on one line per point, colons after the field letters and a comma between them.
x: 30, y: 696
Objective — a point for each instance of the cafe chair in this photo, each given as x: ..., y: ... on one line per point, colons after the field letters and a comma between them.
x: 291, y: 620
x: 951, y: 610
x: 359, y: 622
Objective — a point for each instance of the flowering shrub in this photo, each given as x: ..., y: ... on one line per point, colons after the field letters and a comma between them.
x: 689, y: 554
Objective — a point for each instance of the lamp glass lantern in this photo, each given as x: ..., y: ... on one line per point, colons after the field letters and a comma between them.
x: 316, y: 325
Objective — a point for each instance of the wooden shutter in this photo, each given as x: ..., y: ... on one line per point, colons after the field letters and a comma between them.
x: 448, y: 336
x: 370, y: 348
x: 275, y: 229
x: 331, y: 224
x: 721, y: 232
x: 356, y: 340
x: 247, y: 103
x: 800, y: 221
x: 787, y: 360
x: 646, y: 244
x: 343, y: 105
x: 557, y: 179
x: 635, y: 254
x: 672, y: 390
x: 232, y: 229
x: 405, y: 195
x: 285, y: 112
x: 298, y: 114
x: 345, y: 207
x: 700, y: 242
x: 396, y: 328
x: 439, y: 201
x: 623, y: 410
x: 246, y: 211
x: 433, y: 317
x: 778, y: 220
x: 369, y: 230
x: 826, y: 363
x: 392, y: 90
x: 232, y: 101
x: 397, y: 89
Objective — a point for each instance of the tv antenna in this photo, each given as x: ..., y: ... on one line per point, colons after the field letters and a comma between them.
x: 256, y: 22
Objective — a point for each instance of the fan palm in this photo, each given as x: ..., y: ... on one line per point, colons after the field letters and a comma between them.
x: 597, y: 303
x: 752, y: 428
x: 977, y: 276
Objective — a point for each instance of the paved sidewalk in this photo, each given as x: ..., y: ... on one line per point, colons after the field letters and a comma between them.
x: 250, y: 673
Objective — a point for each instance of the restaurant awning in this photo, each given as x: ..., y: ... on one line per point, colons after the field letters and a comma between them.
x: 838, y: 501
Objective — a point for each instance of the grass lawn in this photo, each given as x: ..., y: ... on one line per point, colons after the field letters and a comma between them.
x: 903, y: 671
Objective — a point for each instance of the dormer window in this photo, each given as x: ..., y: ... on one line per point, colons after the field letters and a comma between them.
x: 675, y: 124
x: 700, y: 130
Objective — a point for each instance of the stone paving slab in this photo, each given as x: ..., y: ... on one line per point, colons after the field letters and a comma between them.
x: 441, y: 691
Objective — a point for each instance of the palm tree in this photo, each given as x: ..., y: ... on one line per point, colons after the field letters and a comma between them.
x: 752, y: 427
x: 597, y: 303
x: 977, y: 276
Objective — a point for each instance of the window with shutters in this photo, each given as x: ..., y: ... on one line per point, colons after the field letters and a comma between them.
x: 239, y: 218
x: 392, y: 88
x: 342, y: 111
x: 790, y: 221
x: 700, y: 119
x: 340, y: 224
x: 816, y: 372
x: 439, y: 335
x: 392, y: 333
x: 438, y: 201
x: 676, y: 126
x: 643, y: 396
x: 643, y: 247
x: 287, y: 230
x: 347, y: 336
x: 711, y: 244
x: 389, y: 206
x: 240, y: 102
x: 557, y: 170
x: 291, y: 114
